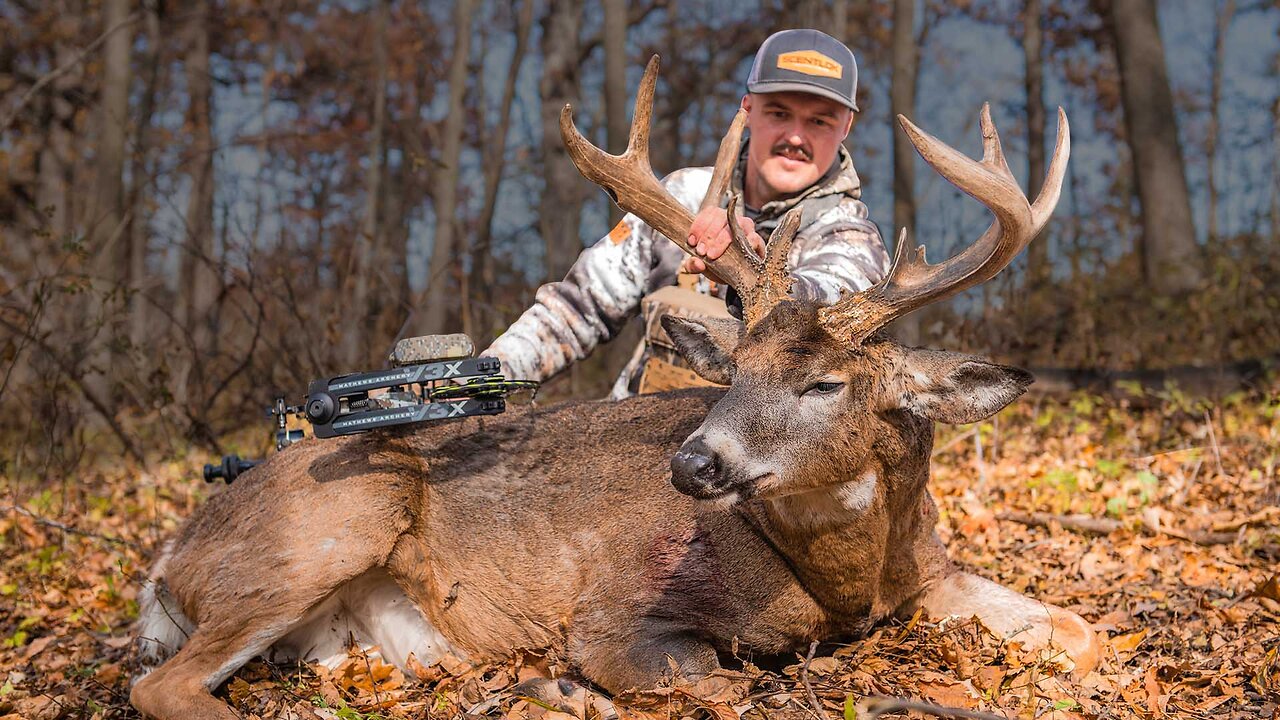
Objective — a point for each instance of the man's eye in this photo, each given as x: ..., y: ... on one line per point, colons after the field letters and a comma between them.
x: 823, y: 388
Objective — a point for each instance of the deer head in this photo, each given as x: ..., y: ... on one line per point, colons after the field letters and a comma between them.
x: 818, y: 396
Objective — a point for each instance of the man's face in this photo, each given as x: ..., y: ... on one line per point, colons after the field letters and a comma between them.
x: 794, y: 139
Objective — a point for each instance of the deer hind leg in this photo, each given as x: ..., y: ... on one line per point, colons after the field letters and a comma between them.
x: 1013, y: 616
x: 181, y: 688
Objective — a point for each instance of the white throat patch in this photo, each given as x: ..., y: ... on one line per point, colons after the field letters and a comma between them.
x: 857, y: 495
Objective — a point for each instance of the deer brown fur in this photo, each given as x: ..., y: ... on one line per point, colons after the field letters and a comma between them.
x: 629, y: 537
x: 561, y: 528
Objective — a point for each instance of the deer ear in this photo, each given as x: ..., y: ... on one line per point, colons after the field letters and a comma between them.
x: 706, y: 344
x: 953, y: 388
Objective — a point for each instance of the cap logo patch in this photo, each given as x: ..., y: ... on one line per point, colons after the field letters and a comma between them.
x: 811, y: 62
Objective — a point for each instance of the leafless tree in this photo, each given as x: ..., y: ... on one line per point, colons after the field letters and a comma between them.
x: 1033, y: 52
x: 902, y: 101
x: 435, y: 307
x: 1225, y: 11
x: 564, y: 192
x: 1171, y: 258
x: 369, y: 245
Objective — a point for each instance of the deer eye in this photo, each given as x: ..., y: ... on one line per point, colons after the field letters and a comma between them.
x: 823, y: 388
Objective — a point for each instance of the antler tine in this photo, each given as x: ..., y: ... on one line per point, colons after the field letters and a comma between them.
x: 641, y: 122
x: 629, y: 179
x: 912, y: 282
x: 738, y: 236
x: 726, y: 158
x: 992, y: 152
x: 775, y: 282
x: 1047, y: 200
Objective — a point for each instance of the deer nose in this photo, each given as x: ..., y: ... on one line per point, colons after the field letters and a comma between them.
x: 695, y: 470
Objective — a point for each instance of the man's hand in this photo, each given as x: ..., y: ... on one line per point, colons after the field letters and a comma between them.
x: 709, y: 237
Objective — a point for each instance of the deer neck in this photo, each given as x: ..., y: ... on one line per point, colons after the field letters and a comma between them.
x: 844, y: 542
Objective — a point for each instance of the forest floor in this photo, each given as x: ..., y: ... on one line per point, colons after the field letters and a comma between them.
x: 1154, y: 516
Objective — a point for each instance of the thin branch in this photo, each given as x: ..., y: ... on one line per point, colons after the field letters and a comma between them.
x: 1089, y: 525
x: 63, y: 70
x: 804, y: 680
x: 39, y: 520
x: 874, y: 707
x: 75, y: 379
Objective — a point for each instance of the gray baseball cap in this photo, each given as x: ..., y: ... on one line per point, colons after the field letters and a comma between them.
x: 808, y: 61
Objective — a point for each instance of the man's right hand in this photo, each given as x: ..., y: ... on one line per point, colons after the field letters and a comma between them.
x: 709, y: 237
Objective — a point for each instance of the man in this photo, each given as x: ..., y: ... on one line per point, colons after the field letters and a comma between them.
x: 800, y: 102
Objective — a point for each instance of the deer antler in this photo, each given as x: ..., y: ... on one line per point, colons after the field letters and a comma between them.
x: 629, y: 180
x: 912, y: 282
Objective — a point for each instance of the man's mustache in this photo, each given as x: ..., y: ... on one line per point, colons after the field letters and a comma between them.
x: 782, y: 147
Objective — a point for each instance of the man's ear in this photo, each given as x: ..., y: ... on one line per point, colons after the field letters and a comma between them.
x: 706, y: 344
x: 953, y: 388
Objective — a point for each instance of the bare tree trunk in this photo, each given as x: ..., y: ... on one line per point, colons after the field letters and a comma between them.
x: 1033, y: 52
x: 902, y: 101
x: 105, y: 222
x: 434, y: 309
x: 559, y: 215
x: 368, y: 251
x: 139, y: 312
x: 1275, y: 169
x: 811, y: 14
x: 840, y: 20
x: 482, y: 271
x: 1171, y: 259
x: 664, y: 140
x: 1225, y: 12
x: 615, y: 82
x: 199, y: 266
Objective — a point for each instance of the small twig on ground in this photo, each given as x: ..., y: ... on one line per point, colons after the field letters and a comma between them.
x: 804, y: 680
x: 1213, y: 438
x: 1089, y: 525
x: 1263, y: 517
x: 68, y: 528
x: 873, y: 707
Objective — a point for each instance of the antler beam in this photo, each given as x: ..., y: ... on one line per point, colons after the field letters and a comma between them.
x: 912, y: 282
x: 629, y: 180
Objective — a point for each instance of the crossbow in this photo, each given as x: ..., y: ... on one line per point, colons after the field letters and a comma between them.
x: 432, y: 378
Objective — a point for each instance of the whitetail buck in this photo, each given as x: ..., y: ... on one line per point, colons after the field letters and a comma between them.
x: 628, y: 536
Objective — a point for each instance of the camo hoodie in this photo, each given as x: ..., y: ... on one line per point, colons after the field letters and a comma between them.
x: 836, y: 248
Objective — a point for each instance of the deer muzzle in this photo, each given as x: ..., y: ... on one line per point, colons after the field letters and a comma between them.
x: 697, y: 471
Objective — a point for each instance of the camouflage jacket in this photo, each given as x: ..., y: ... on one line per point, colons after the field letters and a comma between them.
x: 837, y: 248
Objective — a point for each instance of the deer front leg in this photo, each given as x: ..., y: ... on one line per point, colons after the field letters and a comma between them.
x: 640, y: 655
x: 1012, y: 616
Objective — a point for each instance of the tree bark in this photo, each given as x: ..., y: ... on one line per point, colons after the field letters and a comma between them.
x: 1275, y: 169
x: 369, y: 250
x: 840, y: 20
x: 902, y: 100
x: 434, y: 309
x: 615, y: 83
x: 560, y: 212
x: 1033, y: 53
x: 199, y: 266
x: 105, y: 222
x: 1225, y: 12
x: 484, y: 319
x: 1171, y: 259
x: 139, y: 311
x: 113, y: 123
